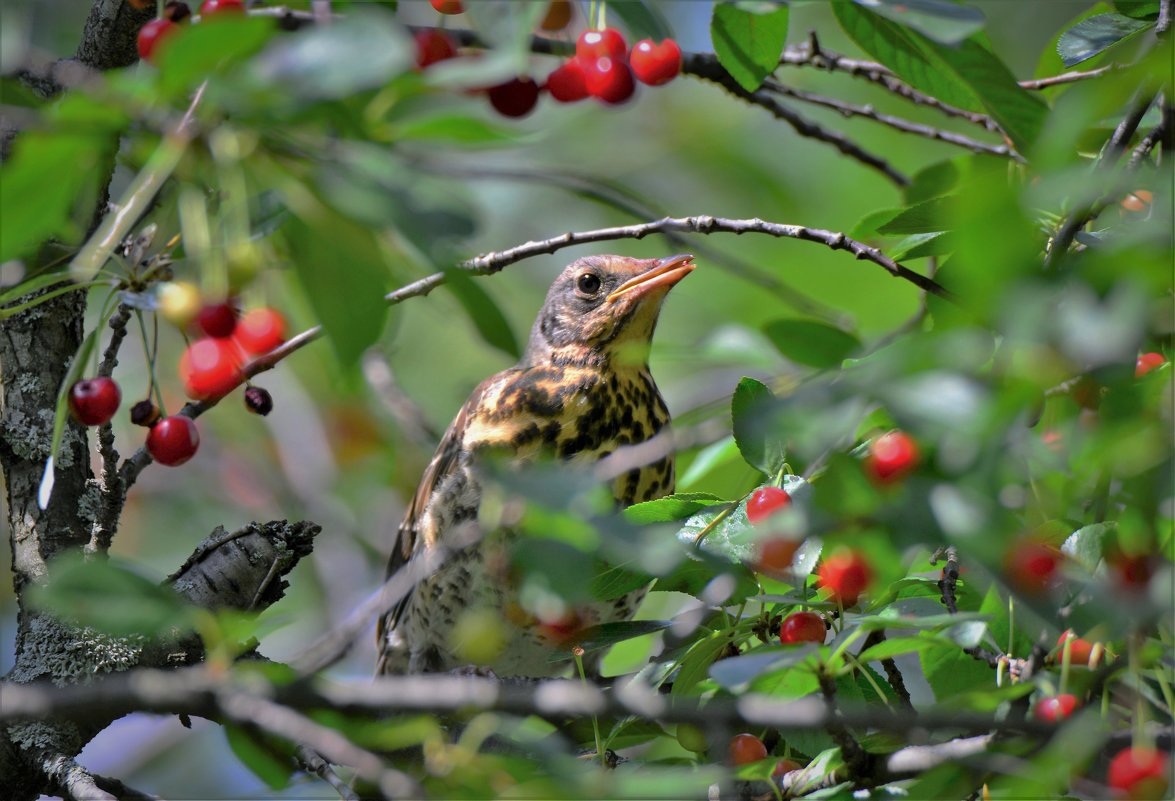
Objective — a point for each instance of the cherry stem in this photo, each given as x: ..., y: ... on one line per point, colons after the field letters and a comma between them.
x: 577, y: 652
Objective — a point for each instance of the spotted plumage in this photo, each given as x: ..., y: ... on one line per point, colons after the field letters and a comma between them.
x: 582, y: 390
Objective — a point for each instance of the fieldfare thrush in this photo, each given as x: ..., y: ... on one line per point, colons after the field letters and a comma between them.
x: 581, y: 390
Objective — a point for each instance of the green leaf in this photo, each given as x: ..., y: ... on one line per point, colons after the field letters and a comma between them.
x: 269, y: 761
x: 867, y: 226
x: 897, y: 646
x: 61, y: 410
x: 609, y: 583
x: 40, y: 184
x: 695, y: 666
x: 811, y: 343
x: 343, y: 274
x: 693, y: 575
x: 643, y: 19
x: 1086, y: 544
x: 932, y: 181
x: 363, y: 50
x: 1091, y: 36
x: 216, y: 45
x: 1138, y: 9
x: 925, y: 217
x: 460, y: 129
x: 748, y: 38
x: 671, y: 507
x: 737, y: 671
x: 941, y: 21
x: 605, y: 635
x: 109, y: 596
x: 483, y: 311
x: 966, y: 74
x: 749, y: 410
x: 918, y: 246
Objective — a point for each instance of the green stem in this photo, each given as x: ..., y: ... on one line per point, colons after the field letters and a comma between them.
x: 578, y: 654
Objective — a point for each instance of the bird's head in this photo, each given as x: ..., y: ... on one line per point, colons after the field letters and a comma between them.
x: 601, y: 307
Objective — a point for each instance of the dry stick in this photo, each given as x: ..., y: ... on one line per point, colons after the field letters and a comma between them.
x: 1067, y: 77
x: 897, y: 123
x: 200, y: 691
x: 113, y: 492
x: 812, y: 55
x: 312, y: 762
x: 709, y: 69
x: 1106, y: 161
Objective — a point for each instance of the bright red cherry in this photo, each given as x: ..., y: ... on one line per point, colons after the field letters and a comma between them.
x: 799, y: 627
x: 212, y: 7
x: 1147, y: 362
x: 260, y: 331
x: 447, y: 6
x: 152, y: 35
x: 892, y: 457
x: 1033, y: 567
x: 1080, y: 650
x: 210, y: 368
x: 433, y: 46
x: 609, y: 80
x: 1139, y: 772
x: 764, y: 502
x: 746, y: 748
x: 217, y: 319
x: 173, y: 440
x: 93, y: 401
x: 567, y: 83
x: 1055, y: 708
x: 607, y: 43
x: 846, y: 573
x: 775, y: 555
x: 515, y: 98
x: 655, y: 64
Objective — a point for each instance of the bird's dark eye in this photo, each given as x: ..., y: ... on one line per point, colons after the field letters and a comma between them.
x: 588, y: 283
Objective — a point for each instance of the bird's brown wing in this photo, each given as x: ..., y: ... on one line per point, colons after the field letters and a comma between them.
x: 444, y: 461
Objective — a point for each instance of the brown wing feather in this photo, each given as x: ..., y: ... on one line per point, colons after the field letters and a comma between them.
x: 443, y: 462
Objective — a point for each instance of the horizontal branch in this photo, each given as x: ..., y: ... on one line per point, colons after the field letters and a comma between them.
x: 199, y: 691
x: 493, y: 262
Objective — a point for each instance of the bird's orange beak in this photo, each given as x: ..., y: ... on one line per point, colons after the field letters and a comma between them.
x: 668, y: 272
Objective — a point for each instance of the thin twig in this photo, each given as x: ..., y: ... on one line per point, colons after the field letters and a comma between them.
x: 404, y: 411
x: 1106, y: 161
x: 897, y: 123
x: 1066, y: 77
x: 113, y: 492
x: 312, y: 762
x: 857, y: 760
x: 709, y: 69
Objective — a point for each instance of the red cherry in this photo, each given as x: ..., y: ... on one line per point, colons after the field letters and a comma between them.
x: 609, y: 80
x: 775, y: 555
x: 655, y: 64
x: 447, y: 6
x: 783, y: 767
x: 515, y: 98
x: 217, y: 319
x: 764, y: 502
x: 846, y: 574
x: 260, y: 331
x: 1033, y: 566
x: 801, y: 627
x: 213, y: 7
x: 210, y: 368
x: 93, y: 401
x: 746, y: 748
x: 1055, y: 708
x: 173, y: 440
x: 1139, y: 772
x: 1147, y: 362
x: 1080, y: 650
x: 892, y: 457
x: 607, y: 43
x: 567, y: 83
x: 433, y: 46
x: 152, y: 35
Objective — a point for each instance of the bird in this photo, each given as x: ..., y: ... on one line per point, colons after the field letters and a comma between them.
x: 581, y: 389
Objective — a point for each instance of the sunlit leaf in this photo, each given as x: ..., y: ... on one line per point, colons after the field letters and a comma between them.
x: 1091, y: 36
x: 748, y: 38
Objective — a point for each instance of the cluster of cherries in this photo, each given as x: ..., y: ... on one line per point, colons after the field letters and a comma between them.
x: 154, y: 33
x: 209, y: 368
x: 602, y: 68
